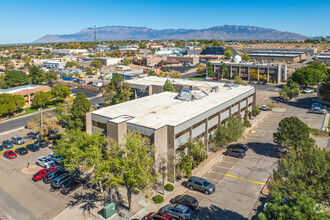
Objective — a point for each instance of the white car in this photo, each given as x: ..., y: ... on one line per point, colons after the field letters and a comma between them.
x: 308, y: 91
x: 45, y: 162
x: 56, y: 159
x: 265, y: 108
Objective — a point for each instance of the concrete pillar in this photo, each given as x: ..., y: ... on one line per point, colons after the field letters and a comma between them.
x: 267, y: 74
x: 258, y: 74
x: 285, y: 73
x: 231, y: 71
x: 239, y: 71
x: 247, y: 103
x: 214, y: 70
x: 160, y: 142
x: 117, y: 131
x: 150, y: 89
x: 206, y: 134
x: 230, y: 111
x: 254, y: 103
x: 248, y: 73
x: 279, y: 73
x: 170, y: 154
x: 88, y: 123
x: 239, y: 109
x: 219, y: 118
x: 135, y: 94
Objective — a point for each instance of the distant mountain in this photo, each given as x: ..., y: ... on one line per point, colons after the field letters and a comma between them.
x: 226, y: 32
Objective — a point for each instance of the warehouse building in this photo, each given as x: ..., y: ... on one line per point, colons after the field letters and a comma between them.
x: 169, y: 119
x: 322, y: 59
x: 282, y: 58
x: 307, y: 51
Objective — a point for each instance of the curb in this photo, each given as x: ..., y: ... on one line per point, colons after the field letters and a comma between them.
x: 23, y: 116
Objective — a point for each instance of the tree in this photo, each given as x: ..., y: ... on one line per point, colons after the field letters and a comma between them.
x: 300, y: 206
x: 15, y: 78
x: 49, y: 123
x: 78, y: 111
x: 238, y: 80
x: 254, y: 74
x: 109, y: 93
x: 309, y: 75
x: 256, y: 111
x: 228, y: 53
x: 292, y: 132
x: 197, y: 152
x: 89, y: 71
x: 51, y: 75
x: 123, y: 93
x: 133, y: 163
x: 60, y: 91
x: 37, y: 75
x: 41, y: 98
x: 228, y: 132
x: 290, y: 92
x: 3, y: 84
x: 10, y: 103
x: 245, y: 57
x: 115, y: 79
x: 168, y: 87
x: 126, y: 61
x: 184, y: 165
x: 96, y: 64
x: 175, y: 75
x: 225, y: 70
x: 71, y: 64
x: 162, y: 170
x: 200, y: 68
x: 209, y: 69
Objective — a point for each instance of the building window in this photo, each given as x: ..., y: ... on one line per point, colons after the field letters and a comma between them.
x: 212, y: 128
x: 99, y: 125
x: 182, y: 133
x: 213, y: 116
x: 198, y: 124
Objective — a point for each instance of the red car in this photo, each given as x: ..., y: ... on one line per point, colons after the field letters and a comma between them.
x: 10, y: 154
x: 214, y: 79
x: 158, y: 216
x: 42, y: 173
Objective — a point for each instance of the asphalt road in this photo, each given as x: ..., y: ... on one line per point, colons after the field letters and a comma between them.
x: 18, y: 123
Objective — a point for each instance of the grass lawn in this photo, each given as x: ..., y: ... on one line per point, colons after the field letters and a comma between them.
x: 317, y: 132
x: 195, y: 78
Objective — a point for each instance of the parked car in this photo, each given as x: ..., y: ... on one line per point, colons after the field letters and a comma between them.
x: 239, y: 146
x: 10, y: 154
x: 7, y: 144
x: 52, y: 175
x: 45, y: 162
x: 32, y: 147
x: 42, y: 173
x: 186, y: 200
x: 265, y: 108
x: 158, y: 216
x: 235, y: 152
x: 41, y: 143
x: 59, y: 181
x: 308, y: 91
x: 200, y: 184
x: 21, y: 151
x: 33, y: 135
x: 18, y: 140
x: 1, y: 148
x: 55, y: 158
x: 178, y: 211
x: 318, y: 105
x: 97, y: 84
x: 317, y: 111
x: 90, y: 83
x: 70, y: 186
x: 279, y: 100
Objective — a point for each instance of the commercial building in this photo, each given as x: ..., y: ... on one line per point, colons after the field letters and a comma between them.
x: 194, y: 60
x: 275, y: 72
x: 283, y: 58
x: 300, y: 54
x: 107, y: 61
x: 307, y: 51
x: 322, y: 59
x: 169, y: 119
x: 27, y: 91
x: 54, y: 64
x: 68, y: 51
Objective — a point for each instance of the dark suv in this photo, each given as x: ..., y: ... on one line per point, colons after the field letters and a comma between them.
x: 239, y: 146
x: 235, y: 152
x: 52, y: 175
x: 186, y: 200
x: 200, y: 184
x: 61, y: 180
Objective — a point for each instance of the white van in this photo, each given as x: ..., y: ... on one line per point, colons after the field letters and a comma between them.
x: 97, y: 84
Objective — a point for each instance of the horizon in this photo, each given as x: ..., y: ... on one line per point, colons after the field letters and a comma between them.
x: 29, y: 22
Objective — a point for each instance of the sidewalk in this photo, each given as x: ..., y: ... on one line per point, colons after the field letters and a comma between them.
x: 143, y: 206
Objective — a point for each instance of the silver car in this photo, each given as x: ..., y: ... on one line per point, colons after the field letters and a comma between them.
x: 178, y: 211
x: 18, y: 140
x: 200, y: 184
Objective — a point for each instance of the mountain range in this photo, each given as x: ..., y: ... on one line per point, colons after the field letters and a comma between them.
x: 225, y: 32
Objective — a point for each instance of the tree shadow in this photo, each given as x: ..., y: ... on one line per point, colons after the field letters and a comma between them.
x: 300, y: 102
x: 87, y: 201
x: 260, y: 208
x: 266, y: 149
x: 215, y: 212
x: 184, y: 184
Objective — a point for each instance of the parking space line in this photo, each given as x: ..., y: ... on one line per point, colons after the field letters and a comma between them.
x: 223, y: 167
x: 210, y: 179
x: 252, y: 181
x: 196, y: 192
x: 228, y: 162
x: 211, y: 171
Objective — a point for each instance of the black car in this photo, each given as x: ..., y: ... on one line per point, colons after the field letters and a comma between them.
x: 70, y: 186
x: 21, y: 151
x: 240, y: 146
x: 52, y: 175
x: 90, y: 83
x: 1, y: 147
x: 235, y: 152
x: 7, y: 144
x: 32, y: 147
x: 33, y: 135
x: 186, y: 200
x: 41, y: 143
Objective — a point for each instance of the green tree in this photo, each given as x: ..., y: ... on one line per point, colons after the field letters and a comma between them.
x: 245, y: 57
x: 89, y: 71
x: 3, y: 84
x: 51, y: 75
x: 184, y: 165
x: 41, y: 98
x: 238, y: 80
x: 15, y: 78
x: 209, y: 69
x: 228, y: 132
x: 126, y: 61
x: 78, y: 111
x: 152, y: 73
x: 300, y: 206
x: 323, y: 39
x: 290, y: 92
x: 309, y: 75
x: 168, y: 87
x: 133, y: 164
x: 10, y: 103
x: 200, y: 68
x: 96, y: 64
x: 256, y: 111
x: 225, y: 71
x: 228, y: 53
x: 115, y: 79
x: 197, y: 152
x: 292, y: 132
x: 37, y: 75
x: 109, y: 94
x: 60, y: 91
x: 123, y: 93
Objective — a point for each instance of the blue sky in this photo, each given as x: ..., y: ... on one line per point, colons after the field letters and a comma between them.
x: 27, y: 20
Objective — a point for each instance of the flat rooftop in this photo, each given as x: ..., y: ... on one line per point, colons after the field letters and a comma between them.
x: 20, y: 89
x: 158, y: 110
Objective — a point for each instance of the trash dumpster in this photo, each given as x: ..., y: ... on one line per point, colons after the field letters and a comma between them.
x: 109, y: 210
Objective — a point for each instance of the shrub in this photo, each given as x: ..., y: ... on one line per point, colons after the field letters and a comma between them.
x: 271, y: 105
x: 158, y: 199
x: 256, y: 111
x: 247, y: 123
x: 169, y: 187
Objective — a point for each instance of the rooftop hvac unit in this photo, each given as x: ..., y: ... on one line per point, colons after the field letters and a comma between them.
x: 215, y: 89
x: 185, y: 95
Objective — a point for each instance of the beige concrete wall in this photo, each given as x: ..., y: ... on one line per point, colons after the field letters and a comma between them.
x: 116, y: 131
x: 160, y: 141
x: 88, y: 123
x: 170, y: 154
